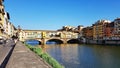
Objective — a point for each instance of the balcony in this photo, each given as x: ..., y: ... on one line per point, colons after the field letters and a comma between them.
x: 1, y: 26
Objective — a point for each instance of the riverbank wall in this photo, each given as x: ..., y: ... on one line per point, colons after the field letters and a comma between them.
x: 103, y: 42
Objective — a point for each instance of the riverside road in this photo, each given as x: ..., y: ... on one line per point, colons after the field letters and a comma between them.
x: 19, y: 56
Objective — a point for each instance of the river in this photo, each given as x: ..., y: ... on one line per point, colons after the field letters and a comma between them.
x: 85, y: 56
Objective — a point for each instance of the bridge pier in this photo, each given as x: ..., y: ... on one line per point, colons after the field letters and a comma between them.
x: 43, y: 42
x: 65, y: 41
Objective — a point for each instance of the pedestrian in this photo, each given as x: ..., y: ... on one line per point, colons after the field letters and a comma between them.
x: 4, y: 42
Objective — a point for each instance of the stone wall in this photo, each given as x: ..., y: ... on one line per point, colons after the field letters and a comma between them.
x: 103, y: 42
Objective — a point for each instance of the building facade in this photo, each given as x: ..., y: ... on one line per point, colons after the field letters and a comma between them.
x: 80, y: 28
x: 88, y: 32
x: 7, y: 29
x: 116, y: 33
x: 99, y: 29
x: 1, y: 18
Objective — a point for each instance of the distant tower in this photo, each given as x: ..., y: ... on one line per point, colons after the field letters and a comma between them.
x: 80, y: 27
x: 18, y: 26
x: 18, y: 31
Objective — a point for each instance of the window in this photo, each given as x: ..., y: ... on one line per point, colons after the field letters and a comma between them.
x: 0, y: 19
x: 0, y: 11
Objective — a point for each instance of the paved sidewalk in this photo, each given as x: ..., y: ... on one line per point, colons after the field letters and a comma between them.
x: 22, y: 57
x: 5, y: 51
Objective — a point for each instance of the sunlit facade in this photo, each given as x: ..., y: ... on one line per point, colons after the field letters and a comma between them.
x: 7, y: 29
x: 1, y: 18
x: 98, y: 29
x: 116, y: 32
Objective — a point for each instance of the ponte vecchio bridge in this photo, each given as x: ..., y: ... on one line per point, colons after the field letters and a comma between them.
x: 46, y: 35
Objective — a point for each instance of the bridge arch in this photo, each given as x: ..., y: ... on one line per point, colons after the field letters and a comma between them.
x: 54, y: 41
x: 33, y: 40
x: 73, y: 41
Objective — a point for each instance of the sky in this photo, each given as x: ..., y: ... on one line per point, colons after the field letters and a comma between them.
x: 54, y: 14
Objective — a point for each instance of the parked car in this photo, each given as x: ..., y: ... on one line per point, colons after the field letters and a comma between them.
x: 2, y: 41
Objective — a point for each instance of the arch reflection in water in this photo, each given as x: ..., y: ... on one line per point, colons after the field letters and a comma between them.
x: 54, y: 41
x: 73, y: 41
x: 33, y: 42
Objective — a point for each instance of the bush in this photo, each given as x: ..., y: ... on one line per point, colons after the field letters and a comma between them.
x: 45, y: 56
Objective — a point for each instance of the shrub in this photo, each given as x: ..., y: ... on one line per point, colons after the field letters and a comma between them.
x: 45, y: 56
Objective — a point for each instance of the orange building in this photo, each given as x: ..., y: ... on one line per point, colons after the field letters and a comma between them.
x: 108, y: 30
x: 88, y: 32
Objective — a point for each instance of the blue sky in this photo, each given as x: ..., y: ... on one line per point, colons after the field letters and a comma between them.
x: 53, y: 14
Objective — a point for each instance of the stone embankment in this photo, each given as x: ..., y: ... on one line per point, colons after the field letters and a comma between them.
x: 22, y: 57
x: 104, y: 42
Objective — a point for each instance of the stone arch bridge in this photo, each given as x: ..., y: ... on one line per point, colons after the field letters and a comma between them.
x: 46, y: 35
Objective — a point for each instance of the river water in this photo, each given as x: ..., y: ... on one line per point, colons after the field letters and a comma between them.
x: 85, y: 56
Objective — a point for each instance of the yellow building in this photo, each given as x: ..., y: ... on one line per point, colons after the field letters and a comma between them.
x: 98, y: 29
x: 1, y: 18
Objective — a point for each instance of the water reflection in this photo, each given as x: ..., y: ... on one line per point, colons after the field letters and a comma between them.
x: 84, y: 56
x: 65, y: 54
x: 32, y: 42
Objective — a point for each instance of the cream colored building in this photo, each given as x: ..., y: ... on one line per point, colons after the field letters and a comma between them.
x: 116, y: 32
x: 117, y: 26
x: 7, y: 29
x: 11, y: 29
x: 22, y: 35
x: 6, y: 24
x: 1, y: 19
